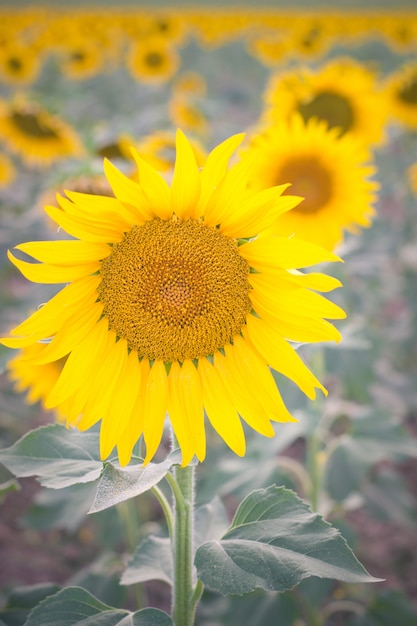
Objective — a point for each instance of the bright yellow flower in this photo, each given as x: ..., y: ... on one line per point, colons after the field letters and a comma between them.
x: 412, y: 177
x: 37, y: 136
x: 330, y: 172
x: 343, y: 93
x: 176, y: 305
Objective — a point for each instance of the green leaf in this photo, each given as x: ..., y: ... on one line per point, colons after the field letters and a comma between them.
x: 152, y: 560
x: 57, y: 456
x: 64, y: 508
x: 388, y: 499
x: 119, y: 484
x: 210, y: 521
x: 372, y: 438
x: 21, y: 600
x: 388, y: 608
x: 74, y: 605
x: 276, y: 541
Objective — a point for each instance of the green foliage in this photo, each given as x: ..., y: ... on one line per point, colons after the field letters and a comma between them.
x: 74, y: 606
x: 119, y: 484
x: 274, y: 542
x: 58, y: 457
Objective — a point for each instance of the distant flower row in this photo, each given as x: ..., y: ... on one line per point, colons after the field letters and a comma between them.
x: 147, y: 41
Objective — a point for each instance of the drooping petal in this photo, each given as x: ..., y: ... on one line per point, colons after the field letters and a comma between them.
x: 135, y: 425
x: 185, y: 407
x: 156, y: 398
x: 220, y: 409
x: 121, y: 406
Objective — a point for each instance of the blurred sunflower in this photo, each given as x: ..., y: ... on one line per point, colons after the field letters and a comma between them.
x: 19, y: 64
x: 343, y: 93
x: 81, y: 58
x: 174, y: 304
x: 401, y: 89
x: 7, y: 171
x: 329, y: 172
x: 185, y: 113
x: 37, y: 136
x: 153, y: 60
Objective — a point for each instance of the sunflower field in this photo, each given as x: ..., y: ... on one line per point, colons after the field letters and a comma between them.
x: 208, y: 350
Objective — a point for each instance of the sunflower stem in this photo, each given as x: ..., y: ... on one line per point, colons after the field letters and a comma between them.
x: 184, y: 600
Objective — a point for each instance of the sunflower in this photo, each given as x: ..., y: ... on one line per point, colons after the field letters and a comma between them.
x: 7, y: 171
x: 401, y: 89
x: 37, y: 136
x: 19, y: 64
x: 329, y: 172
x: 153, y: 60
x: 343, y: 93
x: 81, y: 59
x: 175, y: 304
x: 36, y: 380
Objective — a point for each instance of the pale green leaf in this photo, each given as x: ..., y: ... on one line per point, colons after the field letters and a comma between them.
x: 74, y: 606
x: 276, y: 541
x: 119, y: 484
x: 152, y: 560
x: 56, y: 456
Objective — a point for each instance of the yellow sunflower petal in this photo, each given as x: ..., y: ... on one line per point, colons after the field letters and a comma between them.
x: 134, y: 428
x: 127, y: 191
x: 65, y: 252
x: 104, y: 382
x: 255, y: 371
x: 156, y: 398
x: 52, y: 274
x: 122, y: 404
x: 79, y: 365
x: 103, y: 208
x: 216, y: 167
x: 185, y: 406
x: 291, y: 253
x: 284, y: 301
x: 258, y: 212
x: 247, y: 405
x: 154, y: 188
x: 81, y: 229
x: 280, y: 355
x: 221, y: 413
x: 76, y: 330
x: 186, y: 185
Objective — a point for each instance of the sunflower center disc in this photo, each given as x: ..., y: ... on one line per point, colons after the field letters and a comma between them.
x: 310, y: 180
x: 31, y: 125
x: 332, y: 107
x: 175, y: 289
x: 408, y: 93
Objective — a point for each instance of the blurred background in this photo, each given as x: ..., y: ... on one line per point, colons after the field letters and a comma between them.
x: 78, y: 84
